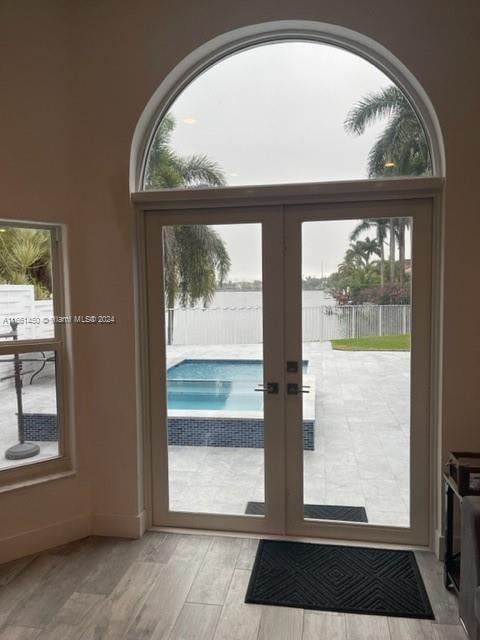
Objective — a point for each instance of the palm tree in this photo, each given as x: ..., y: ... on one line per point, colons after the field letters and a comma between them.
x: 391, y: 257
x: 359, y: 253
x: 370, y: 248
x: 167, y: 170
x: 355, y: 273
x: 196, y: 265
x: 402, y: 148
x: 380, y: 225
x: 402, y: 224
x: 195, y: 257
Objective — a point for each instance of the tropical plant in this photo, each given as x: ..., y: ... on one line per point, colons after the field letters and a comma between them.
x: 402, y: 148
x: 366, y: 249
x: 389, y: 294
x: 385, y: 227
x: 25, y: 258
x: 165, y: 169
x: 401, y: 226
x: 356, y: 272
x: 380, y: 225
x: 195, y: 257
x: 196, y: 264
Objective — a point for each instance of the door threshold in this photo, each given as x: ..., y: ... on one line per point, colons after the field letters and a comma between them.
x: 271, y: 536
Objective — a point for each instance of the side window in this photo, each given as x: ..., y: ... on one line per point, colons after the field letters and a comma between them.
x: 31, y: 347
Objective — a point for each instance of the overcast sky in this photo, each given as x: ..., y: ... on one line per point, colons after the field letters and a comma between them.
x: 275, y: 114
x: 323, y: 247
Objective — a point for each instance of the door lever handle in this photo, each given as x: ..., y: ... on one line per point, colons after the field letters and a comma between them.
x: 293, y: 389
x: 270, y: 387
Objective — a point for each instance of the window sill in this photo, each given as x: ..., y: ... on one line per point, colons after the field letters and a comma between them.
x: 22, y: 478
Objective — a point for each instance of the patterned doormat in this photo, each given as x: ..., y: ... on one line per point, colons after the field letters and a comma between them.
x: 318, y: 512
x: 334, y: 578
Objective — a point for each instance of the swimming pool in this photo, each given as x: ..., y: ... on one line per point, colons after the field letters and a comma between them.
x: 216, y: 385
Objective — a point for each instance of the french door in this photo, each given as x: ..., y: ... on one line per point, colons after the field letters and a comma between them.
x: 289, y: 366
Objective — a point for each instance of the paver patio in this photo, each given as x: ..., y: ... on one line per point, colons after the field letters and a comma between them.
x: 362, y: 430
x: 361, y: 455
x: 39, y: 397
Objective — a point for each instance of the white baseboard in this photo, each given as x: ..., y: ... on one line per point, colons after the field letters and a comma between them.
x: 119, y: 526
x: 36, y: 540
x: 439, y: 544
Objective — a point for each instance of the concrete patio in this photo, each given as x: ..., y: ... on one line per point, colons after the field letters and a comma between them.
x: 361, y: 455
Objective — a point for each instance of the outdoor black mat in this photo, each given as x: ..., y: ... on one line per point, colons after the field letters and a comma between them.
x: 318, y: 512
x: 333, y: 578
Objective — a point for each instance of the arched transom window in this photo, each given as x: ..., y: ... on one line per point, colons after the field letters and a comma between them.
x: 286, y: 112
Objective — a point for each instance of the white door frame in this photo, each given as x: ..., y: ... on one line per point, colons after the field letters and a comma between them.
x: 421, y: 213
x: 272, y: 261
x: 335, y: 195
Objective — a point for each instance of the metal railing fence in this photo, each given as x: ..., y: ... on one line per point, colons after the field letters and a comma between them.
x: 243, y: 325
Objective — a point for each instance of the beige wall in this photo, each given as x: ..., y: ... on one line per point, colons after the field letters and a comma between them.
x: 75, y: 77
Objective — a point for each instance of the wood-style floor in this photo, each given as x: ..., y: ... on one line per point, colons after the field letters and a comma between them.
x: 181, y: 587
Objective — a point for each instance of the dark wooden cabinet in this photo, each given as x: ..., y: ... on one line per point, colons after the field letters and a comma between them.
x: 452, y: 531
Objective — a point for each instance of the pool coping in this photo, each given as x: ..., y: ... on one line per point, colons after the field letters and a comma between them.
x: 308, y: 407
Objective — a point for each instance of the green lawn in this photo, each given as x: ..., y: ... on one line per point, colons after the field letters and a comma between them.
x: 381, y: 343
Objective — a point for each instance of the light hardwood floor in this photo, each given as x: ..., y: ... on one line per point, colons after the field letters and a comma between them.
x: 181, y: 587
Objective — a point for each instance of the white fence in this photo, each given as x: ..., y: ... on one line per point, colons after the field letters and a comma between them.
x: 226, y: 325
x: 359, y: 321
x: 221, y: 325
x: 34, y: 316
x: 243, y: 325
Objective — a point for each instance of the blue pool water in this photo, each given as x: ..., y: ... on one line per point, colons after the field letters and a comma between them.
x: 216, y: 385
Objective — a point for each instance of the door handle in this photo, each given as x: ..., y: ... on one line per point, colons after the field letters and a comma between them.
x: 293, y: 389
x: 270, y: 387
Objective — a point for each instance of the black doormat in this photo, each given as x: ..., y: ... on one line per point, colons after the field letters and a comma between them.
x: 345, y: 579
x: 318, y: 512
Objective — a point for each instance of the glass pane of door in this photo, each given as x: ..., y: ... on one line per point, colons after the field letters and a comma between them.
x: 356, y: 325
x: 214, y: 367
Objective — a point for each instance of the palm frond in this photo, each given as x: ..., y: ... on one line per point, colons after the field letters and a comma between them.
x: 165, y: 169
x: 363, y: 226
x: 375, y: 106
x: 402, y: 143
x: 196, y: 264
x: 198, y: 170
x: 402, y: 148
